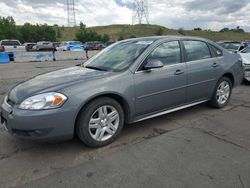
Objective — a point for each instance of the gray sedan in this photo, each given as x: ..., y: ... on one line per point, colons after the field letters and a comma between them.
x: 127, y: 82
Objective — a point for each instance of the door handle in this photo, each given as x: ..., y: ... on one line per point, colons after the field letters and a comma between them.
x: 215, y: 64
x: 179, y: 72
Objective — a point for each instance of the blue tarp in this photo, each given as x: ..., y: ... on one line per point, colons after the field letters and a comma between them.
x: 4, y: 57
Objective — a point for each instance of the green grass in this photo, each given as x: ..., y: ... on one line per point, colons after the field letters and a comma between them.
x: 127, y: 31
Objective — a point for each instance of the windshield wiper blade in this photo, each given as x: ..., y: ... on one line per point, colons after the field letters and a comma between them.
x: 97, y: 68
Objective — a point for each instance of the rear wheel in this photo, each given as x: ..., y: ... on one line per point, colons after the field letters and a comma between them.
x: 100, y: 122
x: 222, y: 93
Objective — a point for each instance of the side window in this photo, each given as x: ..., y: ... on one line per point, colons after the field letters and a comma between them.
x: 216, y: 52
x: 196, y: 50
x: 168, y: 53
x: 242, y: 47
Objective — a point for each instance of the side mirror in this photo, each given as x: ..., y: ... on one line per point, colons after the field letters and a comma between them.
x: 153, y: 64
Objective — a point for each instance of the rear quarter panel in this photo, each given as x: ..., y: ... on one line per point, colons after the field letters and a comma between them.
x: 232, y: 63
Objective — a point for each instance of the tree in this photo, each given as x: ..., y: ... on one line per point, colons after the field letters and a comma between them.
x: 105, y: 38
x: 35, y: 33
x: 120, y: 38
x: 237, y: 30
x: 85, y: 35
x: 159, y: 31
x: 82, y: 26
x: 181, y: 31
x: 224, y: 30
x: 197, y: 29
x: 58, y: 33
x: 8, y: 29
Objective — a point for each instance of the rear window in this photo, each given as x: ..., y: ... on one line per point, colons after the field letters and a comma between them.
x: 196, y: 50
x: 10, y: 43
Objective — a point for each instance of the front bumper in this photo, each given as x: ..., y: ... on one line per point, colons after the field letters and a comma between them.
x: 55, y: 124
x: 247, y: 72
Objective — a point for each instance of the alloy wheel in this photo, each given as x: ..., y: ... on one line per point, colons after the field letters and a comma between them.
x: 104, y: 123
x: 223, y: 92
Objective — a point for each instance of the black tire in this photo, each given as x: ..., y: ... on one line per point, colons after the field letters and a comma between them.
x: 214, y: 101
x: 82, y: 125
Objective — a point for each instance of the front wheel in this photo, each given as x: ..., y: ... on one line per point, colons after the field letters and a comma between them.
x: 100, y: 122
x: 222, y: 93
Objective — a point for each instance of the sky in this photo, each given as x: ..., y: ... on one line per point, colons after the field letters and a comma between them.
x: 187, y: 14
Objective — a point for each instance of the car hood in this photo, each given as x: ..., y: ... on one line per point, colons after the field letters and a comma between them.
x: 246, y: 58
x: 53, y: 81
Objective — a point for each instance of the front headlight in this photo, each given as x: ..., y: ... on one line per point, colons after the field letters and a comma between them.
x: 43, y: 101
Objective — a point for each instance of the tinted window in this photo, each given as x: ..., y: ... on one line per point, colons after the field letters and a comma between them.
x: 196, y: 50
x: 216, y: 52
x: 168, y: 53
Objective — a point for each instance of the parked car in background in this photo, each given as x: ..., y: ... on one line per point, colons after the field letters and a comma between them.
x: 12, y: 46
x: 232, y: 46
x: 44, y: 46
x: 95, y: 45
x: 130, y: 81
x: 71, y: 46
x: 98, y: 46
x: 56, y: 44
x: 29, y: 46
x: 2, y: 49
x: 245, y: 55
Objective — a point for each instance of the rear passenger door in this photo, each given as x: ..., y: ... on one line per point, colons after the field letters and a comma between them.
x: 202, y: 70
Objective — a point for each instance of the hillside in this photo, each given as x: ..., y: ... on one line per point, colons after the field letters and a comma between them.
x: 126, y: 31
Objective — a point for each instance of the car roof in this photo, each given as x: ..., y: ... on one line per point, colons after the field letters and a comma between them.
x: 9, y: 40
x: 174, y: 37
x: 72, y: 41
x: 229, y: 41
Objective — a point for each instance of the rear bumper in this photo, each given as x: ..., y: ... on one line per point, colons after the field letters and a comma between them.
x: 44, y: 125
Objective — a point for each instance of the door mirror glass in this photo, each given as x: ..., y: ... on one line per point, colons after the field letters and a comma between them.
x: 153, y: 64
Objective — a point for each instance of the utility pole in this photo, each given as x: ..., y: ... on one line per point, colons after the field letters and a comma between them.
x: 71, y: 13
x: 140, y: 12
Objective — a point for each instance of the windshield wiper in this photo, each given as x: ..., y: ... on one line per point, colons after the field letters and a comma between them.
x: 97, y: 68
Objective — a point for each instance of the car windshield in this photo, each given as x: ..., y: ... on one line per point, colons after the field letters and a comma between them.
x: 230, y: 45
x: 118, y: 56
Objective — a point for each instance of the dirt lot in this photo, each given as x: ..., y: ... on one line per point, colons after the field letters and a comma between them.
x: 196, y: 147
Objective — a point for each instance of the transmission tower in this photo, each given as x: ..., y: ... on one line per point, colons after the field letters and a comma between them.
x: 140, y: 12
x: 71, y: 13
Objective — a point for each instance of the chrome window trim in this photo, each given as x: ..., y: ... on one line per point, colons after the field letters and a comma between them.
x: 157, y: 45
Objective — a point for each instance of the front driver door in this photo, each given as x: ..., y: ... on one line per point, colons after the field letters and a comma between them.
x: 161, y: 88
